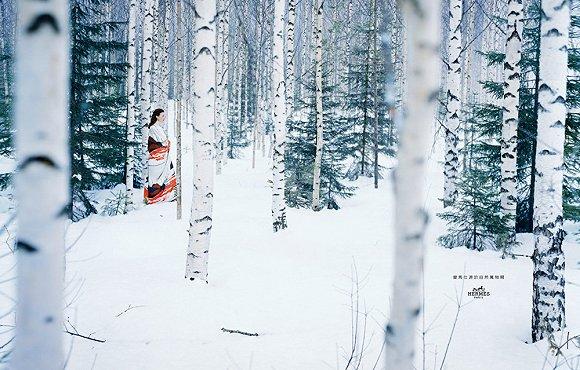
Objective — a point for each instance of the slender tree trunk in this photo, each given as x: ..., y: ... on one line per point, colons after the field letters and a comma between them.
x: 178, y: 106
x: 279, y: 116
x: 509, y: 134
x: 290, y: 57
x: 146, y: 81
x: 132, y: 104
x: 222, y: 81
x: 42, y: 181
x: 410, y: 215
x: 319, y: 112
x: 200, y: 223
x: 548, y: 257
x: 161, y: 56
x: 453, y: 103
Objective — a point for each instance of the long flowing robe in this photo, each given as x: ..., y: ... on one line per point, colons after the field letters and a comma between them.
x: 161, y: 179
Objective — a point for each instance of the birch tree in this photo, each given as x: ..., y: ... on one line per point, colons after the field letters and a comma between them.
x: 200, y: 223
x: 453, y: 103
x: 548, y: 313
x: 132, y: 103
x: 222, y: 81
x: 179, y: 105
x: 290, y: 50
x: 279, y: 115
x: 509, y: 134
x: 42, y: 181
x: 319, y: 113
x: 410, y: 216
x: 146, y: 82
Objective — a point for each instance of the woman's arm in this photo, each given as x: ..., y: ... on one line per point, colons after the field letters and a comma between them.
x: 152, y: 144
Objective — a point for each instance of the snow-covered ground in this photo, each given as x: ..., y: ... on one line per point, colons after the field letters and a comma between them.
x: 296, y: 289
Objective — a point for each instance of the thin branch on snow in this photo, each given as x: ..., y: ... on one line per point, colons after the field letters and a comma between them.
x: 128, y: 309
x: 239, y: 332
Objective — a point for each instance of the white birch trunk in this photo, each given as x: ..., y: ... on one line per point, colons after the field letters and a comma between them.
x: 279, y: 116
x: 290, y: 39
x: 132, y: 103
x: 511, y: 103
x: 178, y: 106
x: 453, y: 103
x: 222, y: 81
x: 548, y: 257
x: 411, y: 218
x: 319, y: 113
x: 145, y: 96
x: 42, y: 181
x: 161, y: 57
x: 203, y: 141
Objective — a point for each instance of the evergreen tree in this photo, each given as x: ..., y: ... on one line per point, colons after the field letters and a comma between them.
x: 359, y: 102
x: 238, y: 132
x: 475, y: 220
x: 5, y: 120
x: 97, y: 101
x: 301, y: 150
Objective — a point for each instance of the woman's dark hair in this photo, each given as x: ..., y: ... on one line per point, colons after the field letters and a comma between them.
x: 156, y: 114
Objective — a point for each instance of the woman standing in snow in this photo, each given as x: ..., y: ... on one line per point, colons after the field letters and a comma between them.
x: 161, y: 180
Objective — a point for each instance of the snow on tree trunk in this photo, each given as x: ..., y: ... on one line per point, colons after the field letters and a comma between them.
x: 509, y: 134
x: 179, y: 106
x: 132, y: 103
x: 42, y: 181
x: 279, y: 116
x: 203, y: 141
x: 160, y: 60
x: 290, y: 38
x: 319, y: 113
x: 453, y: 103
x: 410, y: 215
x: 145, y: 93
x: 222, y: 82
x: 548, y: 257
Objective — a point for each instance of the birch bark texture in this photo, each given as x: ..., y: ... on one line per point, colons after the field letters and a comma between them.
x: 411, y: 218
x: 131, y: 103
x: 42, y: 181
x: 290, y: 50
x: 179, y: 60
x: 319, y: 6
x: 279, y: 116
x: 222, y: 82
x: 146, y: 82
x: 451, y: 166
x: 200, y: 223
x: 548, y: 308
x: 511, y: 103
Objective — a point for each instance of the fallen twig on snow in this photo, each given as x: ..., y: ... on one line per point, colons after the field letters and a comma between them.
x: 128, y: 309
x: 239, y: 332
x: 85, y: 337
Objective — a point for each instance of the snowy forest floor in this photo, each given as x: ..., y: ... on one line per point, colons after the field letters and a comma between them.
x: 296, y: 289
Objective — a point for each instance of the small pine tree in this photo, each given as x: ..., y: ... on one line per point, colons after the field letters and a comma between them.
x: 238, y: 132
x: 475, y: 220
x: 5, y: 121
x: 301, y: 150
x: 359, y: 106
x: 97, y: 103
